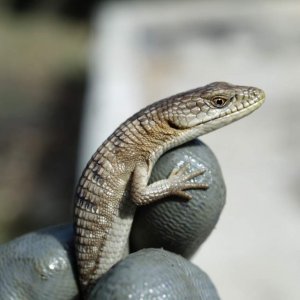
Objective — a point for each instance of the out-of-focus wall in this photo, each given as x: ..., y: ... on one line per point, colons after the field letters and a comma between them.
x: 42, y: 83
x: 145, y: 51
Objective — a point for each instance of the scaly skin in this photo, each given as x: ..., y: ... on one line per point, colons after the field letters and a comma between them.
x: 115, y: 180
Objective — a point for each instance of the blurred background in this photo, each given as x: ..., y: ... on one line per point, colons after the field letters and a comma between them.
x: 71, y: 71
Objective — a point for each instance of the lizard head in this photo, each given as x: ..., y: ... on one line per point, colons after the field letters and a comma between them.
x: 212, y: 106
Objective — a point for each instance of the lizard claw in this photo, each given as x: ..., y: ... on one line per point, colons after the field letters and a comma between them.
x: 186, y: 196
x: 179, y: 170
x: 194, y: 174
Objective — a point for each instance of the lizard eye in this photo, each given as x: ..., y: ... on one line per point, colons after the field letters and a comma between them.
x: 219, y: 102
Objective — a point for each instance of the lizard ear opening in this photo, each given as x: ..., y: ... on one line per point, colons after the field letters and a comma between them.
x: 173, y: 125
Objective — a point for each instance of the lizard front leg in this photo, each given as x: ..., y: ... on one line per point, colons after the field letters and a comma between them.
x: 175, y: 185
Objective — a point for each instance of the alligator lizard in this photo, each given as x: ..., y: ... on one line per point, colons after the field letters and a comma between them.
x: 115, y: 180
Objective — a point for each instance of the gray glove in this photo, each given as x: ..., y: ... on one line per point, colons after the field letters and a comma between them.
x: 41, y: 265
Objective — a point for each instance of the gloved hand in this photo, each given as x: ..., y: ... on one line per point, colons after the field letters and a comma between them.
x: 41, y: 265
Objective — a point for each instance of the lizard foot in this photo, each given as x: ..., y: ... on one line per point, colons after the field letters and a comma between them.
x: 180, y: 178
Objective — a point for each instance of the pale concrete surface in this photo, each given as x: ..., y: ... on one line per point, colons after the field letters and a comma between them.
x: 143, y: 52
